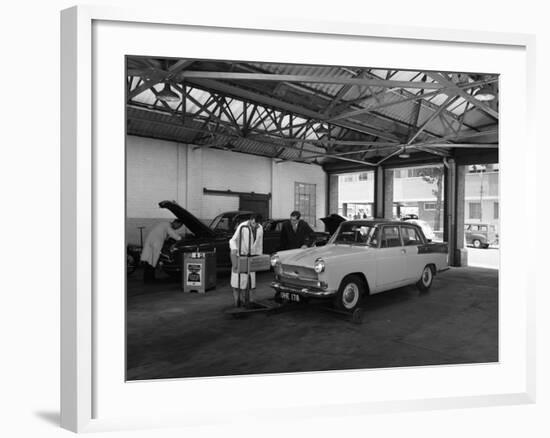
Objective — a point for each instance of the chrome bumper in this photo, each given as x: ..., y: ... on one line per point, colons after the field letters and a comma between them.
x: 302, y: 291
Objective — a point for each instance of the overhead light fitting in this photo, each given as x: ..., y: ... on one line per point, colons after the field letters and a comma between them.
x: 404, y: 154
x: 485, y: 94
x: 167, y: 95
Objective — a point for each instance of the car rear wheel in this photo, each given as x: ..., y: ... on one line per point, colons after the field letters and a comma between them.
x: 426, y: 279
x: 350, y: 293
x: 131, y: 264
x: 477, y: 243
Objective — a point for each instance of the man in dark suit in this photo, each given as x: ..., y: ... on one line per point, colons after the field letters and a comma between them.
x: 295, y: 233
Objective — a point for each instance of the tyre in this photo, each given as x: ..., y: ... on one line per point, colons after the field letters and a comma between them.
x: 426, y: 279
x: 350, y: 293
x: 131, y: 264
x: 477, y: 243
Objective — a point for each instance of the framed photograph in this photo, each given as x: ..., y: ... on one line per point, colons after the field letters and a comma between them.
x: 310, y: 218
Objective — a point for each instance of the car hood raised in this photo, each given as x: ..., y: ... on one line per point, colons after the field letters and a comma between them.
x: 332, y: 222
x: 194, y: 225
x: 307, y: 257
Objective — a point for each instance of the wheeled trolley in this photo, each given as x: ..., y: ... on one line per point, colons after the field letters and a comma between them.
x: 246, y: 264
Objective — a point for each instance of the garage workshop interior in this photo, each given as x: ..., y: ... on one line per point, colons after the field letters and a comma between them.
x: 286, y: 218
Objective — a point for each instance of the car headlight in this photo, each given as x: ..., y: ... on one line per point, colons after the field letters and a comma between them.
x: 275, y: 260
x: 319, y: 266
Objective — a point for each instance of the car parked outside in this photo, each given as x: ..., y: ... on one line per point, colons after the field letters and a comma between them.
x: 480, y: 235
x: 362, y: 257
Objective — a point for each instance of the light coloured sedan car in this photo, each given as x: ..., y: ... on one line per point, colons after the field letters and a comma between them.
x: 362, y: 257
x: 426, y: 228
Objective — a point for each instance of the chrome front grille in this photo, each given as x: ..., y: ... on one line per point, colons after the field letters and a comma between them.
x: 299, y: 275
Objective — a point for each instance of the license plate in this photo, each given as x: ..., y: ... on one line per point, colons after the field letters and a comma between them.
x: 290, y: 296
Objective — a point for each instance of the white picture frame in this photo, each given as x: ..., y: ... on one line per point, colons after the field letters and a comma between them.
x: 82, y: 226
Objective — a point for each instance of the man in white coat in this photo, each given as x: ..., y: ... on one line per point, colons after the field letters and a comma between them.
x: 153, y: 245
x: 252, y: 236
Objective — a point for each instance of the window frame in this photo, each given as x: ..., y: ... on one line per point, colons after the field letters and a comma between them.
x: 420, y: 236
x: 470, y: 203
x: 311, y: 215
x: 382, y: 236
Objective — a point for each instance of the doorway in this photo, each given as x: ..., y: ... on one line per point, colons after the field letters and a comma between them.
x: 256, y: 203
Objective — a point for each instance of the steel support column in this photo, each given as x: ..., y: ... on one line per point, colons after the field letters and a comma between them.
x: 453, y: 232
x: 378, y: 192
x: 332, y: 203
x: 388, y: 193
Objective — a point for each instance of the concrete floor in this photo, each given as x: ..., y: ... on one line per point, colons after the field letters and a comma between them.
x: 172, y: 334
x: 484, y: 257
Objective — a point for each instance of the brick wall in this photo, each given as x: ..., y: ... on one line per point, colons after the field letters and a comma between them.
x: 158, y: 170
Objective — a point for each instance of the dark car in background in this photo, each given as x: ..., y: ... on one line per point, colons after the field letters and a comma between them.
x: 215, y: 237
x: 480, y: 235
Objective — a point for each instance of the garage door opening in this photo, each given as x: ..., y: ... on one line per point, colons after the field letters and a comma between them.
x: 356, y: 195
x: 482, y: 215
x: 419, y: 196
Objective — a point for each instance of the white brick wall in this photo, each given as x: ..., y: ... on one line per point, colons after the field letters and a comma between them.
x: 158, y: 170
x: 152, y: 175
x: 224, y: 170
x: 285, y: 174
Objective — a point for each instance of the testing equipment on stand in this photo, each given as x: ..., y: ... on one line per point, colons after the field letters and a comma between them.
x: 199, y: 271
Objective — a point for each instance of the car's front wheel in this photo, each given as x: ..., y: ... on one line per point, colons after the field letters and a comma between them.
x: 426, y: 279
x: 350, y: 293
x: 477, y: 243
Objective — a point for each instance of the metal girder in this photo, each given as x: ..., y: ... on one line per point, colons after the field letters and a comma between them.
x: 307, y: 79
x: 351, y: 114
x: 431, y: 150
x: 282, y: 105
x: 460, y: 145
x: 444, y: 105
x: 159, y: 75
x: 442, y: 79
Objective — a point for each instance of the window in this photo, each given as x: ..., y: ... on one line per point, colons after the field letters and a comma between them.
x: 429, y: 206
x: 305, y: 201
x: 220, y: 223
x: 353, y: 233
x: 475, y: 210
x: 390, y: 237
x: 363, y: 176
x: 495, y: 210
x: 410, y: 236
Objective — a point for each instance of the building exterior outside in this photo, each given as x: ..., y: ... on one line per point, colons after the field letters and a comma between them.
x: 420, y: 191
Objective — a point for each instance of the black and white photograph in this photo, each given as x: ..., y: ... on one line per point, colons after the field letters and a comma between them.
x: 288, y: 218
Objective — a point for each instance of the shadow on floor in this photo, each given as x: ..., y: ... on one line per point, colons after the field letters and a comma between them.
x: 51, y: 417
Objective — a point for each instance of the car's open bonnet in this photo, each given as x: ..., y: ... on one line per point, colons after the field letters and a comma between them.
x: 331, y: 222
x: 194, y: 225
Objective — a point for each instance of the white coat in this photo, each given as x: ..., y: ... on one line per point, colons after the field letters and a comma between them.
x: 256, y: 248
x: 154, y: 241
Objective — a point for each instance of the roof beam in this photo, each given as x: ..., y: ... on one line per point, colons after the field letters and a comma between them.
x: 444, y: 80
x: 192, y: 74
x: 459, y: 145
x: 252, y: 96
x: 444, y: 105
x: 159, y: 75
x: 357, y: 112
